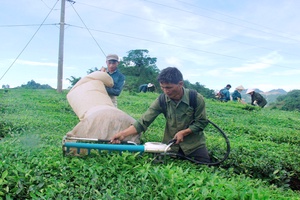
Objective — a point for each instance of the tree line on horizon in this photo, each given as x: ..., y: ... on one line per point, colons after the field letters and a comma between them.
x: 139, y: 68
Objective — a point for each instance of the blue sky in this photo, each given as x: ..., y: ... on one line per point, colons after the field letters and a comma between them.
x: 254, y: 43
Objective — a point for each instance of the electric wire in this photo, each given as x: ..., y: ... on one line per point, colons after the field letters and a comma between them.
x: 88, y: 30
x: 221, y: 20
x: 229, y: 16
x: 47, y: 5
x: 18, y: 25
x: 143, y: 39
x: 28, y: 42
x: 179, y: 46
x: 189, y: 30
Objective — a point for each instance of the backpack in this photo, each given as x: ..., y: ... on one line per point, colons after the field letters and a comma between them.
x: 220, y: 94
x: 192, y: 102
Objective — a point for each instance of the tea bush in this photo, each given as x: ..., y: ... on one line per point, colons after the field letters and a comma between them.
x: 264, y: 154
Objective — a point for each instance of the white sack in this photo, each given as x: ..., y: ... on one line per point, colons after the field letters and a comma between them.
x: 99, y: 118
x: 89, y: 92
x: 102, y: 122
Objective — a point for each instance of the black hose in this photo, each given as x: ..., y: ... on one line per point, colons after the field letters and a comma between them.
x: 205, y: 163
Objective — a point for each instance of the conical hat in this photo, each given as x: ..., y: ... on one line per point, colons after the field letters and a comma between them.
x: 250, y: 90
x: 240, y: 87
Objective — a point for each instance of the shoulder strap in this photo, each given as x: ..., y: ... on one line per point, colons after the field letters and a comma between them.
x: 162, y: 103
x: 192, y: 101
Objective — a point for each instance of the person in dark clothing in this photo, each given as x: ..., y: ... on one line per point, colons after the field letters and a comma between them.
x: 143, y: 88
x: 256, y: 98
x: 225, y: 94
x: 150, y: 87
x: 236, y: 95
x: 112, y: 62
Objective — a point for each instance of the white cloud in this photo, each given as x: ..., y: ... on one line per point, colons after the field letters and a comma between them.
x: 264, y: 62
x: 35, y: 63
x: 294, y: 72
x: 173, y: 61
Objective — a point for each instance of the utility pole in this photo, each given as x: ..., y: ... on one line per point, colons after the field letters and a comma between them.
x: 61, y: 47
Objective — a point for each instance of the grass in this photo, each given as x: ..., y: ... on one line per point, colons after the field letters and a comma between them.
x: 264, y: 162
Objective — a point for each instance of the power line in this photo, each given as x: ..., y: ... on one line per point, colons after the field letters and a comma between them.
x: 226, y: 15
x: 89, y: 31
x: 28, y: 42
x: 178, y: 27
x: 178, y: 46
x: 143, y: 39
x: 245, y: 43
x: 18, y: 25
x: 221, y: 20
x: 47, y: 5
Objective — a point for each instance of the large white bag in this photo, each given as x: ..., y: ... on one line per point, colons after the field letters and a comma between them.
x: 99, y: 118
x: 102, y: 122
x: 89, y: 92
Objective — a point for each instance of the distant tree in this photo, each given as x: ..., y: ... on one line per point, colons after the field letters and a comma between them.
x: 5, y: 86
x: 139, y: 68
x: 207, y: 93
x: 33, y: 85
x: 288, y: 102
x: 73, y: 80
x: 92, y: 70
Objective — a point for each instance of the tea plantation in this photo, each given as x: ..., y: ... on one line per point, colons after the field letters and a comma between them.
x: 264, y: 162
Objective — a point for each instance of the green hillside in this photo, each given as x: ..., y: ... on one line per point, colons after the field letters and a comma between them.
x: 264, y: 162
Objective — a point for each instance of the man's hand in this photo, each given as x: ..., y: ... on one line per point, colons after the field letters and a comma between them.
x: 116, y: 139
x: 103, y: 69
x: 123, y: 134
x: 181, y: 134
x: 179, y: 137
